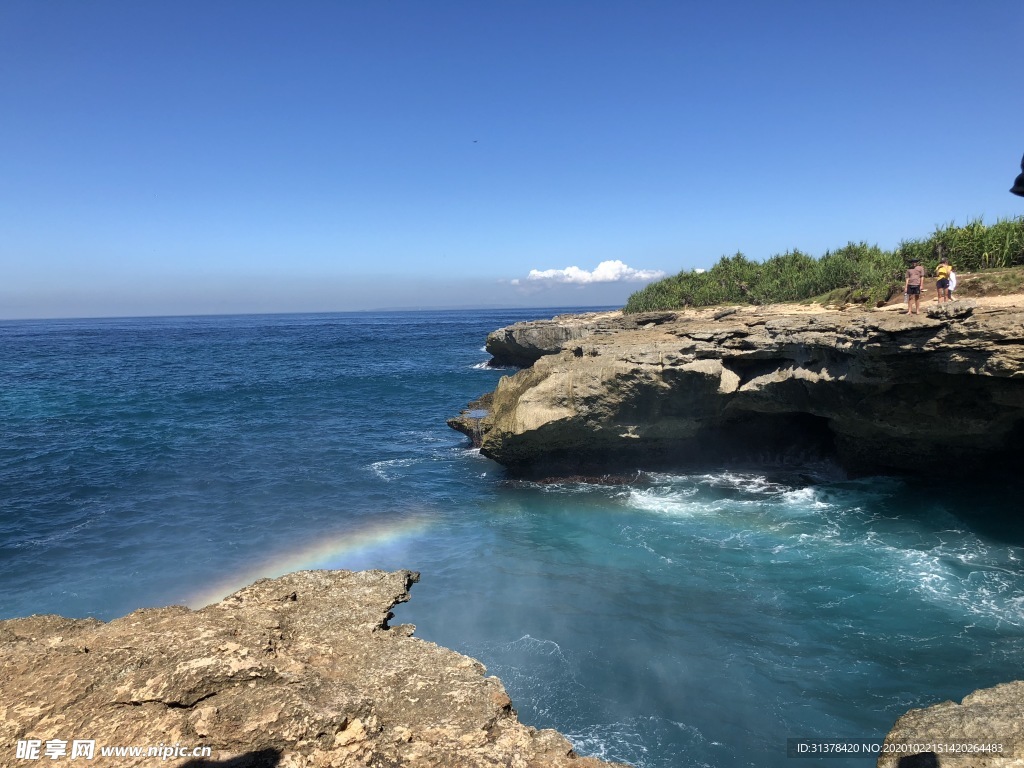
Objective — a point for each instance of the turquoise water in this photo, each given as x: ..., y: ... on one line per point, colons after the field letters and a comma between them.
x: 685, y: 620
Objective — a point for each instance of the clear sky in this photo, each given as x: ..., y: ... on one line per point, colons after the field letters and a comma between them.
x: 180, y: 157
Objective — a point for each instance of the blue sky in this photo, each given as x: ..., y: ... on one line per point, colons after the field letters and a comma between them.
x: 201, y: 157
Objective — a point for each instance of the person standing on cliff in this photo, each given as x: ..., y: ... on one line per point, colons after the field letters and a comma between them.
x: 912, y: 287
x: 942, y: 280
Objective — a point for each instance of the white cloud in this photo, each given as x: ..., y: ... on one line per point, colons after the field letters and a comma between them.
x: 606, y: 272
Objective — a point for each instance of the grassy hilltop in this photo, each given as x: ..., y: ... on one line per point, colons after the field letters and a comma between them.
x: 857, y: 272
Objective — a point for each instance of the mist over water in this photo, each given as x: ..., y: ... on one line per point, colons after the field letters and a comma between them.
x: 686, y: 620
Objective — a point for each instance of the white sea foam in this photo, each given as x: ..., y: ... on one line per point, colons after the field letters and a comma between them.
x: 537, y: 668
x: 535, y: 645
x: 387, y: 470
x: 59, y: 535
x: 806, y: 498
x: 421, y: 436
x: 639, y: 538
x: 828, y: 532
x: 633, y: 739
x: 528, y: 645
x: 572, y: 487
x: 674, y: 502
x: 754, y: 484
x: 964, y: 580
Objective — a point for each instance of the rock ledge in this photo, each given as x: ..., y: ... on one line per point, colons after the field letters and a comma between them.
x: 302, y: 670
x: 985, y: 730
x: 874, y: 390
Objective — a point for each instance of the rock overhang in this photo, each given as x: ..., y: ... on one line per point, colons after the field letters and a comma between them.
x: 875, y: 391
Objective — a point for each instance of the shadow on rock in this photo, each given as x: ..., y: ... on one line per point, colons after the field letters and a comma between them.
x: 264, y: 758
x: 920, y: 760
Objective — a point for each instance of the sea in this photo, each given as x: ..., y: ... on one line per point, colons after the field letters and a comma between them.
x: 692, y: 618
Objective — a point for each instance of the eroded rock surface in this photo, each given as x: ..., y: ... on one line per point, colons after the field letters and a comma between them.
x: 302, y: 670
x: 522, y: 344
x: 876, y: 390
x: 986, y: 730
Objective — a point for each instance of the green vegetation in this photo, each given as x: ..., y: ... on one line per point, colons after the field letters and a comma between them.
x: 857, y: 272
x: 993, y: 282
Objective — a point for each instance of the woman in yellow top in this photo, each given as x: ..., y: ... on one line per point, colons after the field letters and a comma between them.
x: 942, y: 280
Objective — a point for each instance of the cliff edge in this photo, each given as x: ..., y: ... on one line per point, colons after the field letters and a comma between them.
x: 875, y: 390
x: 302, y: 670
x: 985, y: 730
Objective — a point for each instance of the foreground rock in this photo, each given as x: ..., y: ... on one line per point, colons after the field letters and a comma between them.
x: 297, y: 671
x: 985, y: 730
x: 874, y: 390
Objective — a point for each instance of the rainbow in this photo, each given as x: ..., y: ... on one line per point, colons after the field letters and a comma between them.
x: 325, y: 552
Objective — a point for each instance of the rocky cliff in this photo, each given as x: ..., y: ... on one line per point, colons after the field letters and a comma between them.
x: 985, y: 730
x: 522, y: 344
x: 873, y: 389
x: 303, y: 670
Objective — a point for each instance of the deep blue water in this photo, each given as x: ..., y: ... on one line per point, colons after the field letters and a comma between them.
x: 688, y: 620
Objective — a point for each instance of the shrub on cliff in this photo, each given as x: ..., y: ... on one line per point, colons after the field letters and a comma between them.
x: 860, y: 272
x: 972, y: 247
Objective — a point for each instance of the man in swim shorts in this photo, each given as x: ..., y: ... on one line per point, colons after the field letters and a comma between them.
x: 912, y: 287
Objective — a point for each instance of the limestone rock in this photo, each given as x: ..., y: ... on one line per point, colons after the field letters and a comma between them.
x: 875, y: 390
x: 960, y: 734
x: 522, y: 344
x: 473, y: 420
x: 302, y: 670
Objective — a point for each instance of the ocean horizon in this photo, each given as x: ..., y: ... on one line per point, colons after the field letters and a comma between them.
x: 532, y: 312
x: 687, y: 619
